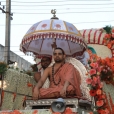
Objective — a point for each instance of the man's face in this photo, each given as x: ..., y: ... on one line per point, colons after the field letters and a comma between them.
x: 45, y: 62
x: 58, y: 56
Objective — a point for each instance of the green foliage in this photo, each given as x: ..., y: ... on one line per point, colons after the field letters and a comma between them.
x: 28, y: 73
x: 108, y: 29
x: 95, y: 112
x: 3, y: 67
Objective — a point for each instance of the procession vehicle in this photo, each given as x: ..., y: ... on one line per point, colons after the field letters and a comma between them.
x: 83, y: 48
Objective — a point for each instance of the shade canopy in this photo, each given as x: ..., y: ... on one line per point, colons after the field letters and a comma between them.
x: 41, y: 35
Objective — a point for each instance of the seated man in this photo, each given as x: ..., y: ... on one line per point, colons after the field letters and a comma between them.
x: 64, y: 79
x: 45, y: 62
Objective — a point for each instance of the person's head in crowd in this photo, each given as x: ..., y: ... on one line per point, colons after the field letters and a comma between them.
x: 45, y: 62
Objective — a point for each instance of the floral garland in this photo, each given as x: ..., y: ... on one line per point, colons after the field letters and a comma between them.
x: 109, y: 36
x: 95, y: 85
x: 107, y: 72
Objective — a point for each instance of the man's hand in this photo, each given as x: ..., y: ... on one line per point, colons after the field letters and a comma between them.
x: 63, y: 92
x: 64, y: 89
x: 35, y: 94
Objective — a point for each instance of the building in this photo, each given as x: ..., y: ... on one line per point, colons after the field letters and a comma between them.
x: 22, y: 63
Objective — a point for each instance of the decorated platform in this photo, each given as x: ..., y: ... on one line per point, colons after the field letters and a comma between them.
x: 96, y: 70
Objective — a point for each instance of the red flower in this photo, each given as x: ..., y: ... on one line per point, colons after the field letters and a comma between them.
x: 109, y: 46
x: 113, y: 30
x: 92, y: 92
x: 101, y: 111
x: 94, y: 65
x: 4, y: 112
x: 98, y: 92
x: 16, y: 112
x: 95, y: 79
x: 103, y: 96
x: 88, y: 80
x: 68, y: 111
x: 100, y: 103
x: 29, y: 85
x: 56, y: 113
x: 107, y: 111
x: 92, y: 71
x: 113, y: 35
x: 35, y: 112
x: 99, y: 69
x: 107, y: 35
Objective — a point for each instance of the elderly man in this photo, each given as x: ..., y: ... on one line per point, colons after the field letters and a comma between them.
x: 64, y: 79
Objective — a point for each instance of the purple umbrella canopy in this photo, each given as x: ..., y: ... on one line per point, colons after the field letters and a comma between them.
x: 42, y: 36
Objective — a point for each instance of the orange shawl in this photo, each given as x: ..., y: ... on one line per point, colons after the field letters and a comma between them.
x: 67, y: 73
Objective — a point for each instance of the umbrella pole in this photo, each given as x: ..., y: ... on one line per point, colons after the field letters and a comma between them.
x: 53, y: 47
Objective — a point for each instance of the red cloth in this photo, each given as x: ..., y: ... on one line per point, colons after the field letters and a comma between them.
x: 67, y: 73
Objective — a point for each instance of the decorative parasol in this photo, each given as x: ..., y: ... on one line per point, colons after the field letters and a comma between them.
x: 45, y: 35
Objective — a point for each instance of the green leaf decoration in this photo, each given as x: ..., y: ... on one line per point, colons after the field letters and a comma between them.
x: 3, y: 67
x: 108, y: 29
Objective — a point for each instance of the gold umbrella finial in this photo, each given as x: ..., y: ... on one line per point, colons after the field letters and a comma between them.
x: 53, y: 11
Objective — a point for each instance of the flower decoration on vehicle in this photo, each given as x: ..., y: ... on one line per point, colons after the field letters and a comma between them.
x: 109, y: 36
x: 107, y: 72
x: 95, y: 84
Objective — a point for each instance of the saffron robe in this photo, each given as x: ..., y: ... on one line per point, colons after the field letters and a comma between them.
x: 66, y: 73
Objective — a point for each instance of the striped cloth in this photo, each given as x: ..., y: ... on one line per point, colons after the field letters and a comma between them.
x: 94, y: 36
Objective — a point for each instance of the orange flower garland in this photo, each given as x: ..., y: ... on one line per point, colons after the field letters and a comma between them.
x: 107, y: 73
x: 109, y: 36
x: 95, y: 84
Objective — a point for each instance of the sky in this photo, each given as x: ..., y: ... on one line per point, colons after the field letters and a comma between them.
x: 84, y: 14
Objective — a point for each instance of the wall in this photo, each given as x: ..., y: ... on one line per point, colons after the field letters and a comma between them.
x: 14, y: 57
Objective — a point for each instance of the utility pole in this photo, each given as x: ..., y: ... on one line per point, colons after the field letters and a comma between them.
x: 7, y: 29
x: 7, y: 32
